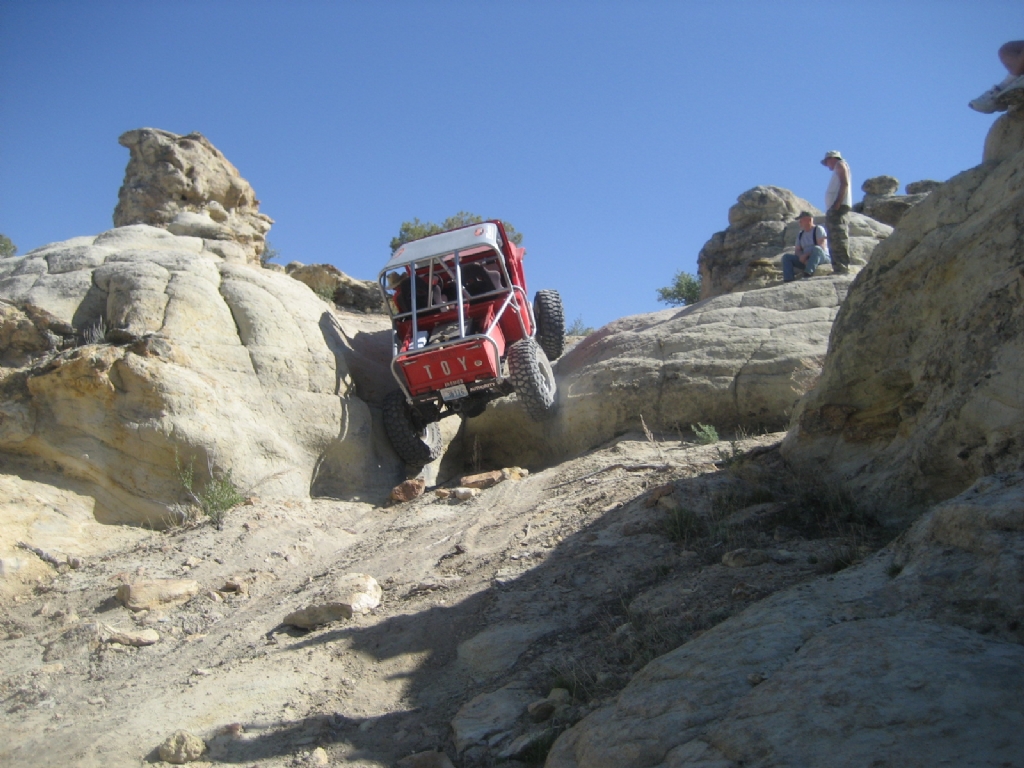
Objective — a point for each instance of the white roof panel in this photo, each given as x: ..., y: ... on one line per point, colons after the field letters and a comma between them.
x: 436, y: 245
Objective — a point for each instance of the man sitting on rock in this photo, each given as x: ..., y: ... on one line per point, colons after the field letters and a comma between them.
x: 811, y: 250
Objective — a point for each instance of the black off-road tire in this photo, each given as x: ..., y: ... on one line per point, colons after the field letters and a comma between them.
x: 532, y: 378
x: 547, y: 309
x: 415, y: 445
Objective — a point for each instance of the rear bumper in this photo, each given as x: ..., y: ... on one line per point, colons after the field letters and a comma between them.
x: 474, y: 361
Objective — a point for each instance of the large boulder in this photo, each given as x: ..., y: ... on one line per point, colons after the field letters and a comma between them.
x: 1006, y: 137
x: 186, y: 186
x: 736, y: 361
x: 331, y: 284
x: 921, y: 390
x: 890, y: 209
x: 882, y: 203
x: 162, y: 354
x: 762, y: 227
x: 914, y: 656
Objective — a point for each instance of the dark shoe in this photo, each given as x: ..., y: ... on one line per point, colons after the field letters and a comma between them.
x: 837, y: 270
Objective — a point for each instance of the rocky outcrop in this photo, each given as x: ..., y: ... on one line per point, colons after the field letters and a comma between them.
x: 331, y: 284
x: 1006, y: 137
x: 28, y: 331
x: 883, y: 204
x: 162, y: 354
x: 879, y: 186
x: 904, y: 656
x: 921, y: 187
x: 763, y: 226
x: 739, y: 360
x: 186, y: 186
x: 914, y: 655
x: 920, y: 393
x: 55, y: 515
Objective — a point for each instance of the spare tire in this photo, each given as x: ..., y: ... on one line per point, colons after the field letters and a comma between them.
x: 415, y: 442
x: 547, y: 309
x: 532, y: 378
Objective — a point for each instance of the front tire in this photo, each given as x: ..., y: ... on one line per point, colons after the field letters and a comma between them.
x: 547, y: 309
x: 417, y: 444
x: 532, y: 378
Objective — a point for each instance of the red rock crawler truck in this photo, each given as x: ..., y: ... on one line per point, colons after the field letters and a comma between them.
x: 464, y: 333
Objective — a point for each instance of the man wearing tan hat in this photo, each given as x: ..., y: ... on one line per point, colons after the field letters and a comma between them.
x: 838, y: 202
x: 810, y: 251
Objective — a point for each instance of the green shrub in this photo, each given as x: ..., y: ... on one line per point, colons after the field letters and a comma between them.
x: 217, y: 496
x: 578, y: 328
x: 705, y: 433
x: 685, y: 289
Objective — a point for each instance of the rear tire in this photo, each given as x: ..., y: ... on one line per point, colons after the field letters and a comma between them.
x: 415, y: 443
x: 532, y: 378
x: 547, y: 309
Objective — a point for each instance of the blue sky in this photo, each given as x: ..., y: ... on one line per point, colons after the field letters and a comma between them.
x: 614, y: 135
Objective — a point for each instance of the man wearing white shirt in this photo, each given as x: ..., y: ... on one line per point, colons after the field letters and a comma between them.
x: 838, y: 202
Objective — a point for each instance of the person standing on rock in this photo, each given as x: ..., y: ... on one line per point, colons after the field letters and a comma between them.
x: 995, y: 99
x: 838, y: 202
x: 811, y: 249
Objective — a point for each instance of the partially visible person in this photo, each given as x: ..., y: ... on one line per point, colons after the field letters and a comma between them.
x: 838, y: 202
x: 811, y: 249
x: 1012, y: 56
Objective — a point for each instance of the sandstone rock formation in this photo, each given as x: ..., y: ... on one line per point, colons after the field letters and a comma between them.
x: 186, y: 186
x: 143, y: 352
x: 739, y: 360
x: 1006, y: 136
x: 921, y: 390
x: 905, y: 656
x: 56, y: 517
x: 883, y: 204
x: 919, y: 187
x: 331, y: 284
x: 880, y: 185
x: 762, y: 226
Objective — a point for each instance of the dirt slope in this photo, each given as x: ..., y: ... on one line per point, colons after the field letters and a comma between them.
x: 573, y: 577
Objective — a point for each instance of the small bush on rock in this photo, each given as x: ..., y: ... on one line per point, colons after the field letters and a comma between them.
x: 217, y: 496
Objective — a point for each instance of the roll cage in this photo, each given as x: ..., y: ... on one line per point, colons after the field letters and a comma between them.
x: 464, y: 289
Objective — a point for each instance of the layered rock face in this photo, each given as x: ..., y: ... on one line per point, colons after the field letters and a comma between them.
x: 921, y: 391
x: 763, y: 226
x: 740, y: 360
x: 914, y: 657
x: 186, y: 186
x: 136, y: 352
